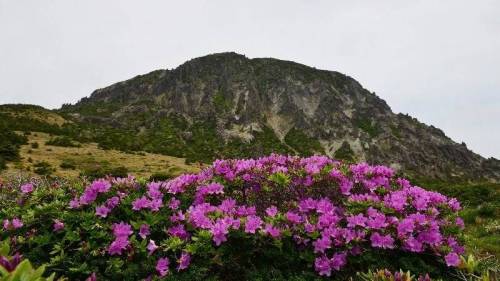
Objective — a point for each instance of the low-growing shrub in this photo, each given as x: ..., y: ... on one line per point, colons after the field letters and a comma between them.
x: 43, y: 168
x: 63, y: 141
x: 68, y: 164
x: 274, y: 218
x: 101, y: 171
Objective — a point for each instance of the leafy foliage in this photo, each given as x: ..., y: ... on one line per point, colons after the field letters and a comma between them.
x: 121, y: 228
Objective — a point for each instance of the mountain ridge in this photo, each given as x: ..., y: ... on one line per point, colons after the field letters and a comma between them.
x: 227, y: 105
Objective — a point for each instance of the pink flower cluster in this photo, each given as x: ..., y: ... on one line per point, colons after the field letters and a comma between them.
x: 333, y: 209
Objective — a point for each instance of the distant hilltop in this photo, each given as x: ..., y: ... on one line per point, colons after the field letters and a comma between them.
x: 227, y: 105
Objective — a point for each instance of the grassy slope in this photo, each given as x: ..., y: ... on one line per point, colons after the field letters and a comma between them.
x: 141, y: 164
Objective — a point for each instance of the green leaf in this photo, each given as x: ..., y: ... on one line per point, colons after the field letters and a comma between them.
x: 4, y: 248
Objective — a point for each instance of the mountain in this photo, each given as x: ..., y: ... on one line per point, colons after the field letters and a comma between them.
x: 227, y: 105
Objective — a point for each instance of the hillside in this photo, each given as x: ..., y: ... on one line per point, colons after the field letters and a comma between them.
x: 226, y: 105
x: 38, y: 141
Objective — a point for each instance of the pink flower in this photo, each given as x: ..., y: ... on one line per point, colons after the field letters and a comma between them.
x: 273, y: 231
x: 460, y: 223
x: 122, y: 229
x: 151, y: 247
x: 338, y: 261
x: 322, y: 244
x: 102, y: 211
x: 252, y: 224
x: 184, y: 261
x: 6, y: 224
x: 17, y: 223
x: 272, y: 211
x: 381, y: 241
x: 118, y: 245
x: 74, y: 204
x: 452, y: 259
x: 293, y: 217
x: 58, y: 225
x: 144, y: 231
x: 141, y: 203
x: 322, y: 266
x: 27, y: 188
x: 162, y: 266
x: 174, y: 204
x: 178, y: 231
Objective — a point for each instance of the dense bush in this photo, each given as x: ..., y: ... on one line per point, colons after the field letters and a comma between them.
x: 275, y: 218
x: 9, y: 145
x: 43, y: 168
x: 101, y: 171
x: 63, y: 141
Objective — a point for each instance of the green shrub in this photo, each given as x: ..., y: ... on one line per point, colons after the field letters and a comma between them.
x: 160, y: 176
x: 34, y: 145
x: 68, y: 164
x: 100, y: 171
x: 345, y: 152
x: 43, y: 168
x: 63, y: 141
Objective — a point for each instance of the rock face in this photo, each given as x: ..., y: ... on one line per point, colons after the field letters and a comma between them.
x: 226, y: 105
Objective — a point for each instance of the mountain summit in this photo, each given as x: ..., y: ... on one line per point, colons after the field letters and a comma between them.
x: 227, y: 105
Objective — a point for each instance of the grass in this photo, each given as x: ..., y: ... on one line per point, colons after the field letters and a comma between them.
x: 89, y: 154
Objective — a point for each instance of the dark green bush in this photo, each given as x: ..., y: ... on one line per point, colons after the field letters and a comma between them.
x: 100, y: 171
x: 43, y: 168
x: 63, y: 141
x: 68, y: 164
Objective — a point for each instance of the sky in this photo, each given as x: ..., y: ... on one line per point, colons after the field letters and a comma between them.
x: 438, y: 61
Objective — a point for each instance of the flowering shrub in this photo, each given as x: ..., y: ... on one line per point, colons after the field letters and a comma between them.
x: 313, y: 211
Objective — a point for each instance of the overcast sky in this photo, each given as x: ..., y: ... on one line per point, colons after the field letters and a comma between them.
x: 439, y: 61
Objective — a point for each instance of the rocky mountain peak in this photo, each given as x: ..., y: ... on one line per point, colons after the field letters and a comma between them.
x: 227, y: 105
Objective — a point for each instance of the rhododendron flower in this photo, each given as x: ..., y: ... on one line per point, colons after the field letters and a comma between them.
x: 382, y: 241
x: 144, y: 231
x: 323, y: 266
x: 460, y: 223
x: 219, y: 231
x: 293, y: 217
x: 273, y: 231
x: 162, y: 266
x: 357, y: 220
x: 174, y: 204
x: 122, y: 229
x: 102, y: 211
x: 338, y: 261
x: 74, y: 204
x: 141, y: 203
x: 16, y: 223
x: 12, y: 263
x: 405, y: 226
x: 452, y: 259
x: 413, y: 245
x: 272, y: 211
x: 58, y: 225
x: 151, y: 247
x: 178, y: 231
x: 112, y: 202
x: 156, y: 204
x: 27, y: 188
x: 252, y: 224
x: 322, y: 244
x: 184, y: 261
x: 118, y: 245
x: 6, y: 224
x: 454, y: 205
